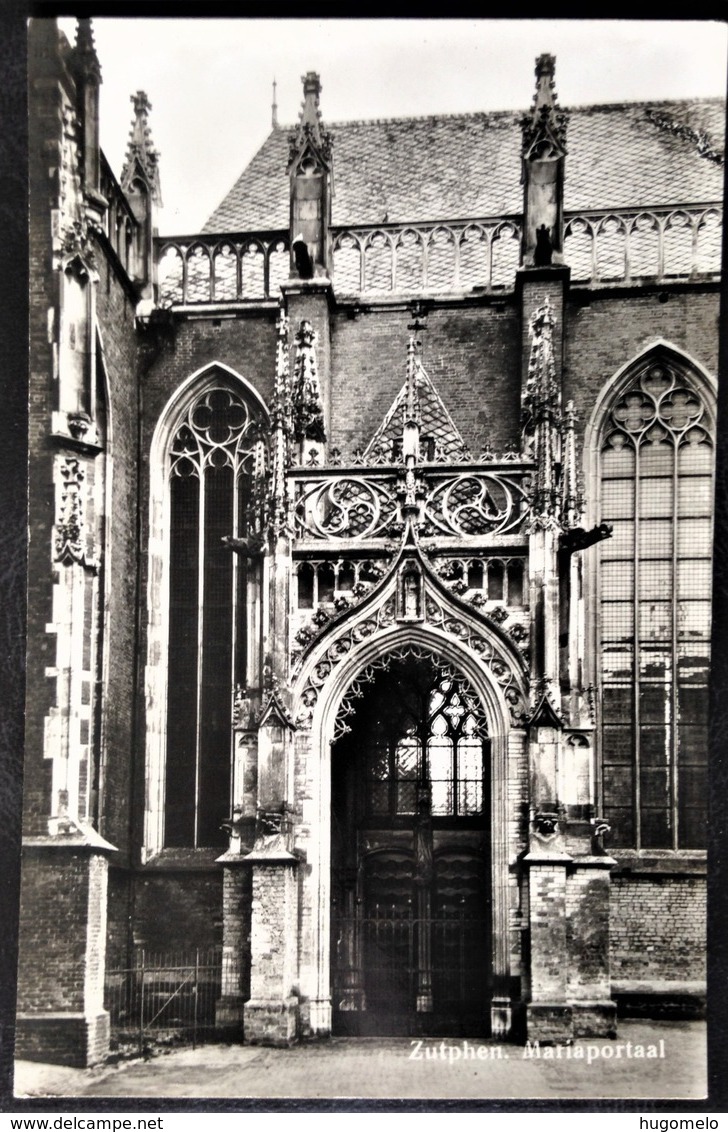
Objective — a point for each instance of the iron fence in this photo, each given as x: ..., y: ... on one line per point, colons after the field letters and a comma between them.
x: 170, y: 996
x: 403, y: 972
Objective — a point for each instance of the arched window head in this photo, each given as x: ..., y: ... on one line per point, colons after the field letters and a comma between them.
x: 656, y: 463
x: 214, y: 461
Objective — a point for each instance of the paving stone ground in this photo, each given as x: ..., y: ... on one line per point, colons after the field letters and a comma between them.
x: 397, y: 1068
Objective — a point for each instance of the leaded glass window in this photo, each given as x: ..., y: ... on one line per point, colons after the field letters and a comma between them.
x: 656, y: 491
x: 209, y: 484
x: 426, y: 742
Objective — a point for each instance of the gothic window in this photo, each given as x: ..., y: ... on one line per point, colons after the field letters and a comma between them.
x: 209, y: 470
x: 430, y: 738
x: 656, y: 461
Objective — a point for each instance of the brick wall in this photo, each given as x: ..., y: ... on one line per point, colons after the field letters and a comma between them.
x: 471, y: 355
x: 119, y: 916
x: 178, y: 911
x: 605, y: 335
x: 587, y: 933
x: 62, y: 956
x: 658, y: 929
x: 246, y: 344
x: 53, y: 916
x: 547, y: 904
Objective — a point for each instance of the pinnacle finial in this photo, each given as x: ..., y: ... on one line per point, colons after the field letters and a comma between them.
x: 309, y: 123
x: 309, y: 128
x: 141, y: 155
x: 545, y: 72
x: 544, y: 127
x: 310, y: 112
x: 85, y: 48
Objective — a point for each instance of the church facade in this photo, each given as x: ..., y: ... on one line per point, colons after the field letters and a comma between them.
x: 370, y: 564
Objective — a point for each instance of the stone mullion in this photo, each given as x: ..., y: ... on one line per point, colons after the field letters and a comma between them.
x: 636, y: 657
x: 675, y: 563
x: 695, y: 225
x: 661, y: 223
x: 200, y: 641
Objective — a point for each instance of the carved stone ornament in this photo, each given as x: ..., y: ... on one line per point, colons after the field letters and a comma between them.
x: 547, y: 823
x: 544, y: 129
x: 245, y: 714
x: 142, y: 159
x: 310, y: 141
x: 70, y: 537
x: 544, y: 713
x: 508, y: 670
x: 356, y: 688
x: 78, y: 425
x: 600, y: 829
x: 308, y: 414
x: 274, y: 712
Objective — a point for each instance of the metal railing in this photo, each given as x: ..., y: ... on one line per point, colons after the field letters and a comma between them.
x: 391, y: 963
x: 173, y: 995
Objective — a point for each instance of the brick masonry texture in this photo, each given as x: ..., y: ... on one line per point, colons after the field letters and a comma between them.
x: 606, y: 334
x: 470, y: 355
x: 658, y: 929
x: 62, y: 956
x: 178, y: 911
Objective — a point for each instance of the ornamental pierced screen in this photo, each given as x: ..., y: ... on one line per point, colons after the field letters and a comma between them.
x: 655, y: 583
x: 666, y: 244
x: 469, y: 504
x: 340, y: 507
x: 221, y: 271
x: 445, y: 258
x: 473, y: 503
x: 211, y: 458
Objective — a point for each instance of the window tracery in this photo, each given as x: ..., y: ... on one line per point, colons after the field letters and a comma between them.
x: 656, y: 461
x: 426, y: 742
x: 211, y: 459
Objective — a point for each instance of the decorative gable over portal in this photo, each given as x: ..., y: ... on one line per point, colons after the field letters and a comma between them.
x: 440, y: 438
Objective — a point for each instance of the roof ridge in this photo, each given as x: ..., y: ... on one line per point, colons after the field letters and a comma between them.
x: 515, y: 112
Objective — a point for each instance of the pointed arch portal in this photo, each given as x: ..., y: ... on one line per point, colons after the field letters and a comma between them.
x: 410, y: 851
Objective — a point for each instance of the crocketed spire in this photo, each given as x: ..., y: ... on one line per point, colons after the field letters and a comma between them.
x: 86, y: 61
x: 544, y: 127
x: 309, y: 131
x: 142, y: 159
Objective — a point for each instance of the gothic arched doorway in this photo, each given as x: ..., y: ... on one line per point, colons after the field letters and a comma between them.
x: 411, y: 935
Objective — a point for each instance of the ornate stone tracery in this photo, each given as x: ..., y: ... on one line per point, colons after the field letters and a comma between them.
x: 502, y: 661
x: 308, y: 416
x: 473, y: 503
x: 348, y: 705
x: 70, y: 538
x: 217, y: 431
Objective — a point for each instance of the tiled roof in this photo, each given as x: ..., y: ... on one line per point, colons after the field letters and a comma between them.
x: 464, y: 166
